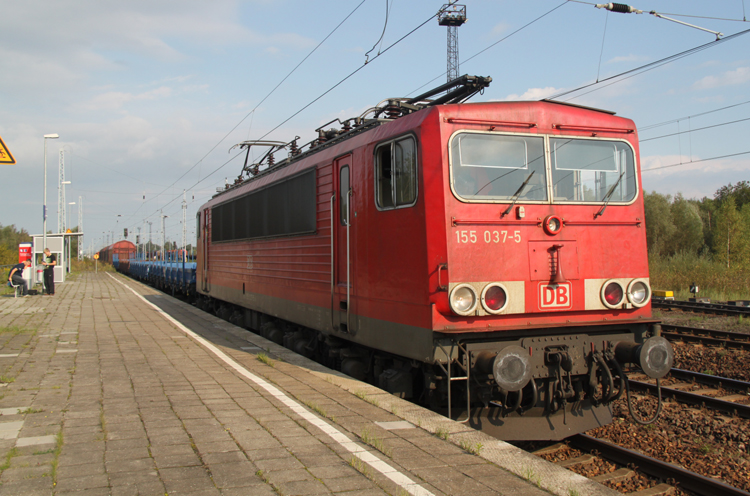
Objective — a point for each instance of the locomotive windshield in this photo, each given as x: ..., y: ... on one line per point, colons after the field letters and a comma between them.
x: 494, y: 167
x: 586, y: 170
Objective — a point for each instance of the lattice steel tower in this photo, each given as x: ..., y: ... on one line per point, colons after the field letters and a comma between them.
x: 452, y: 16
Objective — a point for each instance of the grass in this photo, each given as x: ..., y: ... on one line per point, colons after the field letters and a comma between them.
x: 679, y: 271
x: 7, y: 379
x: 318, y: 409
x: 30, y: 410
x: 377, y: 443
x: 6, y: 464
x: 58, y: 448
x: 360, y: 466
x: 470, y: 447
x: 262, y: 357
x: 14, y: 330
x: 363, y: 396
x: 530, y: 475
x: 442, y: 433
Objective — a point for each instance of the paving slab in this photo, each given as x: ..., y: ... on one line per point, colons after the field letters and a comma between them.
x: 120, y: 390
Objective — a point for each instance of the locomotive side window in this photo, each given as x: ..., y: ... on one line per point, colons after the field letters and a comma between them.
x: 396, y: 173
x: 494, y: 167
x: 198, y: 225
x: 344, y: 196
x: 592, y: 170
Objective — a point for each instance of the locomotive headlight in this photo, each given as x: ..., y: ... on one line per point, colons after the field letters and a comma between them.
x: 552, y: 224
x: 639, y: 293
x: 494, y: 298
x: 463, y: 299
x: 612, y: 294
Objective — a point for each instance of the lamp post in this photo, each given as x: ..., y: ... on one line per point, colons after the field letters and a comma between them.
x: 44, y: 209
x: 70, y: 240
x: 163, y: 238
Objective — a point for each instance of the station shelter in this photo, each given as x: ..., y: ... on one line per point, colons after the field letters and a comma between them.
x: 59, y: 245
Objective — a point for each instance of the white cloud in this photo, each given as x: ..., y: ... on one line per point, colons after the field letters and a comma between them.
x: 499, y: 29
x: 533, y: 94
x: 740, y: 75
x: 628, y: 58
x: 115, y: 100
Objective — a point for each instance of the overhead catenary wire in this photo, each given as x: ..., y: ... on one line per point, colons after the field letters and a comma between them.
x: 294, y: 114
x: 672, y: 121
x: 694, y: 130
x: 383, y: 52
x: 695, y: 161
x: 685, y: 15
x: 266, y: 97
x: 646, y: 67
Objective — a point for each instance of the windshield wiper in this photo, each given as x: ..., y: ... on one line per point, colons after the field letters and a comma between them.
x: 517, y: 194
x: 608, y: 196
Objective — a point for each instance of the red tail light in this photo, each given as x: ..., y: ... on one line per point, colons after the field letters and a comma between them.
x: 494, y: 298
x: 613, y: 294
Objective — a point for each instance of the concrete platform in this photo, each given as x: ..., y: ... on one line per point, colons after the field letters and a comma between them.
x: 112, y: 388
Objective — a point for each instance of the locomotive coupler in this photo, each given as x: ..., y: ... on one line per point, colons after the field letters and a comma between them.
x: 562, y: 388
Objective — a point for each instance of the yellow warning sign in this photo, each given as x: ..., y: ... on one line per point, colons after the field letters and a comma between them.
x: 96, y: 256
x: 5, y: 156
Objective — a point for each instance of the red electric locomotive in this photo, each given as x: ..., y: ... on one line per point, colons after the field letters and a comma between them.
x: 487, y: 259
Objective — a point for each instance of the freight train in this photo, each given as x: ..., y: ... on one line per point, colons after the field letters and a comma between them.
x: 485, y: 259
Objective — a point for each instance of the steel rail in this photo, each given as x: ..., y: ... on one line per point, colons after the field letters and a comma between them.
x: 684, y: 479
x: 707, y: 336
x: 714, y: 308
x: 710, y: 380
x: 729, y: 407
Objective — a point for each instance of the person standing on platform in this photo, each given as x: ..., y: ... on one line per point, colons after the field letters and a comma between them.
x: 49, y: 263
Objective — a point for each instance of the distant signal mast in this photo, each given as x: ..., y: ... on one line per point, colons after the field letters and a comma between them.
x: 452, y: 16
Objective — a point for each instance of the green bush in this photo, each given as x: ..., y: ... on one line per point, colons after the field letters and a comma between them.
x: 677, y: 272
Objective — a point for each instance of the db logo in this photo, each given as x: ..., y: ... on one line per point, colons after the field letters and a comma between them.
x: 555, y: 296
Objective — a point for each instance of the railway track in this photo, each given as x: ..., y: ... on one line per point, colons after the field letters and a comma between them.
x: 721, y: 404
x: 712, y: 308
x: 679, y: 477
x: 708, y: 337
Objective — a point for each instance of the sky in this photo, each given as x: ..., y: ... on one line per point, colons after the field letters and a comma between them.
x: 148, y: 97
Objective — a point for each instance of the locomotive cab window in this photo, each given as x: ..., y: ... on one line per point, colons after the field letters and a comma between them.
x: 396, y: 174
x: 586, y: 170
x: 495, y: 167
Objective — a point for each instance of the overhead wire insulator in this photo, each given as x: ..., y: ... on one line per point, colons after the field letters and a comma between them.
x: 619, y: 8
x: 622, y: 8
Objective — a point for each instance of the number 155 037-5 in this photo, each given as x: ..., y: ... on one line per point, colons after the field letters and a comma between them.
x: 488, y: 236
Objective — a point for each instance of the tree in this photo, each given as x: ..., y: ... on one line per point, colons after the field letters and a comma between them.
x: 688, y: 233
x: 659, y: 222
x: 11, y: 237
x: 8, y: 256
x: 740, y: 192
x: 732, y: 234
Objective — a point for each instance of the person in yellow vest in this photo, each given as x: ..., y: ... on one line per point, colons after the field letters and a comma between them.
x: 49, y: 263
